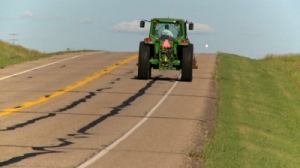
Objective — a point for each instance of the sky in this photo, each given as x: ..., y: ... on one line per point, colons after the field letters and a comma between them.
x: 249, y: 28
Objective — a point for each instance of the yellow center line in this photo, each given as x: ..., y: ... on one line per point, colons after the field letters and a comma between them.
x: 68, y: 88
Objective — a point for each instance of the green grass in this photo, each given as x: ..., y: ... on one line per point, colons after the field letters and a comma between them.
x: 289, y: 64
x: 13, y: 54
x: 258, y: 120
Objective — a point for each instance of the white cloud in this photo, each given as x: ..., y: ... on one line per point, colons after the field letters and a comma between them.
x: 88, y: 21
x: 56, y: 17
x: 252, y: 33
x: 131, y: 27
x: 28, y: 14
x: 202, y: 29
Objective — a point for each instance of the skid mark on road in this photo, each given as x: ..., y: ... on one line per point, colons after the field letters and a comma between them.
x: 40, y: 150
x: 127, y: 134
x: 67, y: 89
x: 53, y: 114
x: 32, y: 121
x: 82, y: 132
x: 117, y: 109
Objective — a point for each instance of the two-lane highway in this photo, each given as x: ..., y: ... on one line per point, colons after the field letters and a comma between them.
x: 88, y: 110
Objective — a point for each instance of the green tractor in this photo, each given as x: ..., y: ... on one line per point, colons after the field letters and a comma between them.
x: 167, y: 48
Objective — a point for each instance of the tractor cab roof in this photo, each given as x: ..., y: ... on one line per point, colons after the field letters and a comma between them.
x: 167, y: 20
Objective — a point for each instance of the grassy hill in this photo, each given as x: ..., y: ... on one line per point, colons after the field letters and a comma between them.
x: 258, y: 121
x: 10, y: 54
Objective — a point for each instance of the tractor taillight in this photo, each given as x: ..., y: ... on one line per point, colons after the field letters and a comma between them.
x: 148, y: 40
x: 184, y: 40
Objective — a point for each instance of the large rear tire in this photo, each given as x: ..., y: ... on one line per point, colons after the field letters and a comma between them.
x: 144, y: 68
x: 187, y: 63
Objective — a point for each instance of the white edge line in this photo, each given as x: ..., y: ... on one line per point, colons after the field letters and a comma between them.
x: 39, y: 67
x: 118, y: 141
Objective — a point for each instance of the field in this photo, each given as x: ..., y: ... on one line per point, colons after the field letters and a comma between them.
x: 12, y: 54
x: 258, y: 113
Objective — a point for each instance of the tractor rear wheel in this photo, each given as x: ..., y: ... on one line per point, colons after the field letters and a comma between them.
x: 187, y: 63
x: 144, y: 68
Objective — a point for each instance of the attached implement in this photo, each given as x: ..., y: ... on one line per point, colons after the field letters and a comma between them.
x: 167, y: 48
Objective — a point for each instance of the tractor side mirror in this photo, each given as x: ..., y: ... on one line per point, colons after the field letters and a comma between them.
x: 142, y: 24
x: 191, y: 26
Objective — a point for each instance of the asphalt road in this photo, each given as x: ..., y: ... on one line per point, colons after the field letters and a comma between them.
x: 89, y: 110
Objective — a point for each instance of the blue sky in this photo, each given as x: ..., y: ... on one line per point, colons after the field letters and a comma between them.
x: 249, y: 28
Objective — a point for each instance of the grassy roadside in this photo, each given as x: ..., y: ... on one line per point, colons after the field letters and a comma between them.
x: 13, y: 54
x: 258, y: 113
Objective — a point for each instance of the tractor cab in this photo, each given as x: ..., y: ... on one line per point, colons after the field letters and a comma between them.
x: 168, y: 31
x: 167, y: 28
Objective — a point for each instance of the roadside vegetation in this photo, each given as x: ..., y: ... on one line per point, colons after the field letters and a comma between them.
x: 13, y: 54
x: 258, y: 121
